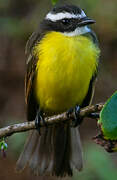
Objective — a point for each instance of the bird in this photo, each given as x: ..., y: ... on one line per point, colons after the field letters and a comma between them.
x: 61, y: 71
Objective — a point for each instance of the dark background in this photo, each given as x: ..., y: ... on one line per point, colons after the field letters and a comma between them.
x: 18, y: 19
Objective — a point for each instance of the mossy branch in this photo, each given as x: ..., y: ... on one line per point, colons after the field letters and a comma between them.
x: 21, y: 127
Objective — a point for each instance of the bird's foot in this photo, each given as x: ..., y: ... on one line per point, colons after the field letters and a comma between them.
x: 77, y: 120
x: 39, y: 118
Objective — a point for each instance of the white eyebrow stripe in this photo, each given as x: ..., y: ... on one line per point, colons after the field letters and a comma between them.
x: 59, y: 16
x: 83, y: 14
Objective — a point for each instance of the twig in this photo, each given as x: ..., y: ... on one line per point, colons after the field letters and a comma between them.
x: 21, y: 127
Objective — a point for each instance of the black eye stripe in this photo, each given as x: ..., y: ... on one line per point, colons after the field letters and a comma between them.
x: 65, y: 21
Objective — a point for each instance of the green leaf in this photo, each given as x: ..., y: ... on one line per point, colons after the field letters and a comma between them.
x: 108, y: 118
x: 54, y: 2
x: 3, y: 145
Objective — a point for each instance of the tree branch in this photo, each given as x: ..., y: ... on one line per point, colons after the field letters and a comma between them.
x: 21, y: 127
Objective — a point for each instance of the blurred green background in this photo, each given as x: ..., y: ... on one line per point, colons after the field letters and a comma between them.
x: 18, y: 19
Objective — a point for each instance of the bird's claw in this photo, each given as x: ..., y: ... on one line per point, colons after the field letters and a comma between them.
x: 77, y: 120
x: 39, y: 118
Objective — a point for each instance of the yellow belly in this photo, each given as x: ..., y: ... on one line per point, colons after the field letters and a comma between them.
x: 64, y: 70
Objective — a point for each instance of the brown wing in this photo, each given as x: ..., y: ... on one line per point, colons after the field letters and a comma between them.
x: 30, y: 99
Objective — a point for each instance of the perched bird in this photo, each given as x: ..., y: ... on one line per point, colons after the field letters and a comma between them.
x: 61, y: 70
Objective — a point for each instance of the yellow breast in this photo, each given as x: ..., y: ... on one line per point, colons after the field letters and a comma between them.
x: 64, y: 70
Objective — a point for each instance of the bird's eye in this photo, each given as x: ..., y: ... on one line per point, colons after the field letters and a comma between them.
x: 65, y: 21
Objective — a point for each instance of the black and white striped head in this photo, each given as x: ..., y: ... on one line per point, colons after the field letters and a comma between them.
x: 68, y: 19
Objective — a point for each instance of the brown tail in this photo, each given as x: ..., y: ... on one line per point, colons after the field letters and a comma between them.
x: 56, y: 152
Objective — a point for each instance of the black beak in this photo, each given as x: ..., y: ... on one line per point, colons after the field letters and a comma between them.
x: 85, y: 21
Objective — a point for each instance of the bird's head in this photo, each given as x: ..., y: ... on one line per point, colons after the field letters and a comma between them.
x: 68, y: 19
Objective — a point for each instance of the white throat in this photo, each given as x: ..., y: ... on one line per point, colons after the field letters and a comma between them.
x: 78, y: 31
